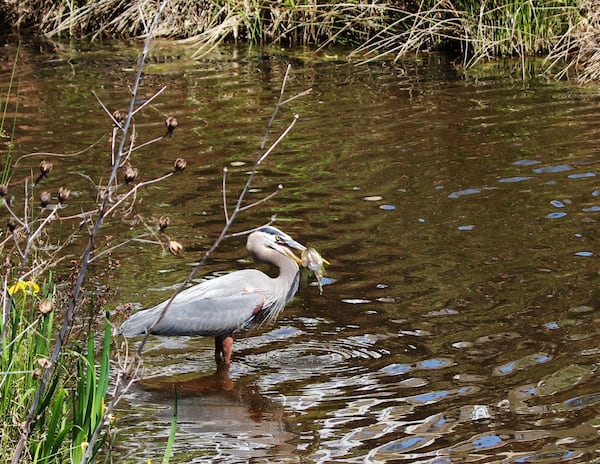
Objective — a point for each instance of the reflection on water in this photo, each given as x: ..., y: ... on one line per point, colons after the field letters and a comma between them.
x: 216, y: 418
x: 459, y: 323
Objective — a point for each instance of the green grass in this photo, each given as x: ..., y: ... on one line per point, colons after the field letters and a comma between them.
x: 91, y: 390
x: 26, y: 335
x: 73, y: 403
x: 514, y: 28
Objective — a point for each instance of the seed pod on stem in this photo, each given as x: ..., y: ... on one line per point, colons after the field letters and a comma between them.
x: 171, y: 124
x: 180, y: 164
x: 45, y: 198
x: 45, y: 169
x: 63, y: 194
x: 3, y: 190
x: 119, y: 117
x: 130, y: 173
x: 175, y: 247
x: 44, y: 363
x: 163, y: 223
x: 11, y: 224
x: 45, y: 306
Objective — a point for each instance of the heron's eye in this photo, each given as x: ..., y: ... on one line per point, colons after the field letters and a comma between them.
x: 278, y: 238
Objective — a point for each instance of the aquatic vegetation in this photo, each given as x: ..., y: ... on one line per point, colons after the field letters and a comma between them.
x: 258, y: 21
x: 566, y: 31
x: 576, y: 54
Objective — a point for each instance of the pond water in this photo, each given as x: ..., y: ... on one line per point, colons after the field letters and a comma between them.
x: 459, y: 318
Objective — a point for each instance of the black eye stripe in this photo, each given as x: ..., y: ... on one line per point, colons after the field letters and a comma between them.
x: 270, y: 230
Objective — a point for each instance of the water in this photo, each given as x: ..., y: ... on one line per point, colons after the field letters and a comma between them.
x: 460, y: 319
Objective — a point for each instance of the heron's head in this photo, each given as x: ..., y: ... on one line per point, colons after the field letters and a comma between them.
x: 270, y: 238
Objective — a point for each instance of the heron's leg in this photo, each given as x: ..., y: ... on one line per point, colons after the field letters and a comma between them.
x: 223, y: 349
x: 218, y: 350
x: 227, y: 349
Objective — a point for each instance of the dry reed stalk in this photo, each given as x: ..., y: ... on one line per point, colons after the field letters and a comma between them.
x: 577, y: 53
x: 413, y: 31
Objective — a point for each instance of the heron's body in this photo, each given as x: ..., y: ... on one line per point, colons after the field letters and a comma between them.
x: 221, y: 306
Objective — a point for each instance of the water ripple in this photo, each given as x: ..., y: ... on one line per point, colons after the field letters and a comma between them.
x: 508, y: 375
x: 514, y: 179
x: 553, y: 169
x: 522, y: 363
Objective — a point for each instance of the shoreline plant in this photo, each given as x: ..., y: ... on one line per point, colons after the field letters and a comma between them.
x: 53, y: 386
x: 563, y: 31
x: 61, y: 372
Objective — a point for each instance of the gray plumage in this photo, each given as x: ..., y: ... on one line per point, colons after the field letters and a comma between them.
x: 222, y: 306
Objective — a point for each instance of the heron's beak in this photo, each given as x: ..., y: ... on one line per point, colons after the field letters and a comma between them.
x: 290, y: 244
x: 293, y: 256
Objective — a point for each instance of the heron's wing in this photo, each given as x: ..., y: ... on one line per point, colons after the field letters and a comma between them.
x: 203, y: 317
x: 232, y: 284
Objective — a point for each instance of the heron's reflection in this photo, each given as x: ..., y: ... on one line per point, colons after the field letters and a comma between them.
x: 217, y: 413
x: 191, y: 383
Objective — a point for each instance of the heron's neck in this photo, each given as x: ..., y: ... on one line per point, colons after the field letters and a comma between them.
x: 289, y: 277
x: 287, y: 269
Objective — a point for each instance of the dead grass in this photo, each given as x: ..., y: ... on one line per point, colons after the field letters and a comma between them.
x: 577, y: 53
x: 477, y: 30
x: 256, y: 21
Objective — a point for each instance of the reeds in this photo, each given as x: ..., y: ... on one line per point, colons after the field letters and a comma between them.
x: 577, y: 53
x: 518, y: 28
x: 255, y: 21
x: 476, y: 30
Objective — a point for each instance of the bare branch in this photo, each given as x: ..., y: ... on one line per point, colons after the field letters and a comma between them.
x: 301, y: 94
x: 254, y: 229
x: 70, y: 311
x: 46, y: 220
x: 225, y: 194
x: 107, y: 111
x: 125, y: 158
x: 149, y: 142
x: 58, y: 155
x: 262, y: 200
x: 147, y: 102
x: 279, y: 139
x: 119, y: 245
x: 134, y: 190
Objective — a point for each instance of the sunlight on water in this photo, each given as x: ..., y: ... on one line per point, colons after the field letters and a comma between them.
x: 459, y: 317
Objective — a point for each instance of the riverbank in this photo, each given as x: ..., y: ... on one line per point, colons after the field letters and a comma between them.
x: 564, y: 31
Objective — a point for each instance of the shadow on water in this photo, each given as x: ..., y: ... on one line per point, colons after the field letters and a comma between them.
x: 460, y: 216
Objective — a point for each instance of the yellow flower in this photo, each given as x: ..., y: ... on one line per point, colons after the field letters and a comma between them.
x: 24, y: 286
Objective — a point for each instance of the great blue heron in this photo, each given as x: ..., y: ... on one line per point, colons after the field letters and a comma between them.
x: 221, y: 306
